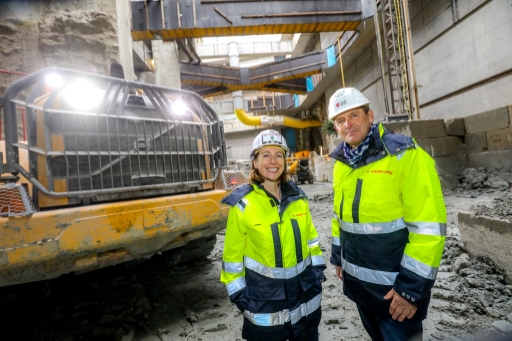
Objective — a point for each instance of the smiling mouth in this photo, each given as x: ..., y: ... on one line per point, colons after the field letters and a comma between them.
x: 272, y: 169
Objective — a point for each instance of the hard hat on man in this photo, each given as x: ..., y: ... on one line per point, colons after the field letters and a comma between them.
x: 346, y: 99
x: 269, y: 137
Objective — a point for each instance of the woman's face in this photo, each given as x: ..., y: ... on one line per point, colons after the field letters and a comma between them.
x: 270, y: 162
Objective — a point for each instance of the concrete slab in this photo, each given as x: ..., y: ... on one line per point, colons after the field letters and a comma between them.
x: 399, y: 127
x: 488, y: 237
x: 425, y: 145
x: 427, y: 128
x: 451, y: 165
x: 454, y: 127
x: 489, y: 120
x: 499, y: 139
x: 498, y: 161
x: 476, y: 143
x: 449, y: 145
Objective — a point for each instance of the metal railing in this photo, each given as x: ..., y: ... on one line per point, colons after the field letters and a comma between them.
x: 111, y: 136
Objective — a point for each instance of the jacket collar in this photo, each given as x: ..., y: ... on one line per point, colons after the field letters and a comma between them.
x: 372, y: 154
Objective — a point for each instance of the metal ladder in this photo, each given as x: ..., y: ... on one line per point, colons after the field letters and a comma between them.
x: 396, y: 58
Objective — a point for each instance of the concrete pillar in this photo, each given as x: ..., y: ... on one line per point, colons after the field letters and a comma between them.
x: 234, y: 60
x: 125, y: 38
x: 166, y: 64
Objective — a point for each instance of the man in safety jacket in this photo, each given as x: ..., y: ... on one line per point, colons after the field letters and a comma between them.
x: 389, y: 220
x: 272, y: 263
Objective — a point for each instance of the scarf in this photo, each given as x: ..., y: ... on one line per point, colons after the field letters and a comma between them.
x: 355, y: 155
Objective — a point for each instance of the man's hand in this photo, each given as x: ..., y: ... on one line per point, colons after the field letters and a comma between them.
x: 400, y: 308
x: 339, y: 272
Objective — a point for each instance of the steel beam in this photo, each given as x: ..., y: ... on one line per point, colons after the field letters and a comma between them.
x: 176, y: 19
x: 285, y: 75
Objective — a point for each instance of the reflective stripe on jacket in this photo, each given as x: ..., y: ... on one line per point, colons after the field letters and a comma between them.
x: 271, y: 258
x: 389, y: 222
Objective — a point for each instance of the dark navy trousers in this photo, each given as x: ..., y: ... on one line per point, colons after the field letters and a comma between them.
x: 384, y: 328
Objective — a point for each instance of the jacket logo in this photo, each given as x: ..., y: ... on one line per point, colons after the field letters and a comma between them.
x: 299, y: 214
x: 380, y: 171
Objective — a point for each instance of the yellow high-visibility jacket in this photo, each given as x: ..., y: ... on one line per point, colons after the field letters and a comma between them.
x: 389, y: 222
x: 272, y: 262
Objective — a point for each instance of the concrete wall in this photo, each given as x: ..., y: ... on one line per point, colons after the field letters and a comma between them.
x: 239, y: 144
x: 462, y: 59
x: 456, y: 48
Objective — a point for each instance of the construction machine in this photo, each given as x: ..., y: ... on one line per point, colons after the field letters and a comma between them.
x: 112, y: 170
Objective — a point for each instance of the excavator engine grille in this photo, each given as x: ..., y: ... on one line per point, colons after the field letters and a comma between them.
x: 14, y: 201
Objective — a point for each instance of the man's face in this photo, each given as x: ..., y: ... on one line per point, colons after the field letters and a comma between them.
x: 353, y: 125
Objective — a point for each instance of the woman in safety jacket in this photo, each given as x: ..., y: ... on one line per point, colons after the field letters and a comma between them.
x: 272, y: 263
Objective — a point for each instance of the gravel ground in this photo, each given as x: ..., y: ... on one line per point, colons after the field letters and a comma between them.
x: 153, y: 299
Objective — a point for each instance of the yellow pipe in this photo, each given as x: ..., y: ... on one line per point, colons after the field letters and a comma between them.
x: 275, y: 120
x: 292, y: 168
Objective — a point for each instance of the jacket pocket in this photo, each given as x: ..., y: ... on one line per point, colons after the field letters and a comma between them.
x: 266, y: 293
x: 308, y: 279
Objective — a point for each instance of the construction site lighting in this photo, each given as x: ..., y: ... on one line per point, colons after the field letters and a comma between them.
x: 178, y: 107
x: 54, y: 81
x: 83, y: 95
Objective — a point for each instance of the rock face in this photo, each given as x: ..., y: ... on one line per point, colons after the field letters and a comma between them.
x: 74, y: 35
x: 38, y: 36
x: 79, y: 40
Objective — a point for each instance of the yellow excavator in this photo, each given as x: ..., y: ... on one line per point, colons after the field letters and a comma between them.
x: 112, y: 170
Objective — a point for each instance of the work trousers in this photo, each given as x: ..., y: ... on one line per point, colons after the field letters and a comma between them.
x: 312, y: 337
x: 384, y: 328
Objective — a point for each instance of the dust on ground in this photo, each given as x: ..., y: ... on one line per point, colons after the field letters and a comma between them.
x: 153, y: 299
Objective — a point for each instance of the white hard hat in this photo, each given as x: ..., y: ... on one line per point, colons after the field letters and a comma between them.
x: 345, y: 99
x: 268, y: 137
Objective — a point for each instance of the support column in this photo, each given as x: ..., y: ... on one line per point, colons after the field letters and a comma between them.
x: 234, y: 60
x: 166, y: 64
x: 125, y: 38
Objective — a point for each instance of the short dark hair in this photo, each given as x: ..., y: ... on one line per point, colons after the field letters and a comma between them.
x: 255, y: 175
x: 366, y: 108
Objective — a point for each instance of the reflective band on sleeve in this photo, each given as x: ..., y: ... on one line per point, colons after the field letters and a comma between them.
x: 281, y: 317
x: 373, y: 228
x: 336, y: 241
x: 237, y: 285
x: 241, y: 204
x: 335, y: 216
x: 317, y: 260
x: 277, y: 273
x: 313, y: 242
x: 305, y: 309
x: 418, y: 267
x: 368, y: 275
x: 435, y: 229
x: 233, y: 268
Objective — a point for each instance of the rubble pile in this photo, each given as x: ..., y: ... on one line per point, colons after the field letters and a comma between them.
x: 329, y: 197
x: 474, y: 290
x: 475, y: 178
x: 501, y: 207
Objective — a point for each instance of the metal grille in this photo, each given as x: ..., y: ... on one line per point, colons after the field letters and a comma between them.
x: 14, y: 201
x: 115, y: 136
x: 230, y: 179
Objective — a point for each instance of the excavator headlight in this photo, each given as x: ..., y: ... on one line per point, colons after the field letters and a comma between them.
x: 83, y: 95
x: 178, y: 107
x: 54, y: 80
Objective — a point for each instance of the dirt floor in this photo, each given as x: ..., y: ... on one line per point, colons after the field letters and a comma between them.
x: 153, y: 299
